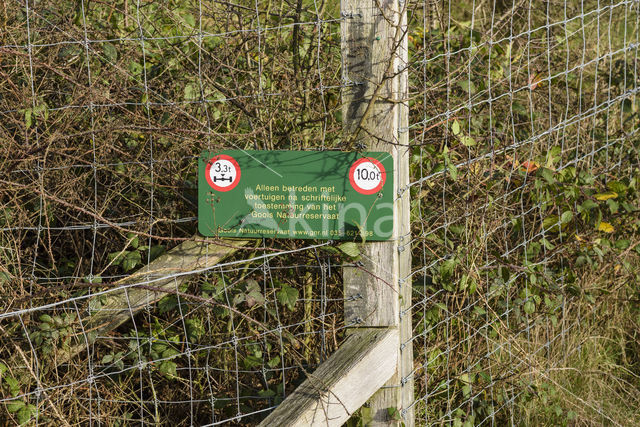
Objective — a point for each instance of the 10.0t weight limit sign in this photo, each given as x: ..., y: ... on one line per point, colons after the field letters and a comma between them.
x: 367, y: 175
x: 296, y: 194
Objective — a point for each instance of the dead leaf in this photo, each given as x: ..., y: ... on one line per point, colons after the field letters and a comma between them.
x: 606, y: 227
x: 529, y: 166
x: 534, y: 80
x: 606, y: 196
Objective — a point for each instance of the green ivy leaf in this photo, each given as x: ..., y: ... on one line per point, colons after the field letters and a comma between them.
x: 455, y: 127
x: 191, y: 92
x: 252, y: 361
x: 4, y: 277
x: 94, y: 279
x: 266, y: 393
x: 550, y: 223
x: 288, y: 296
x: 170, y: 352
x: 168, y: 368
x: 115, y: 258
x: 15, y: 405
x: 274, y: 362
x: 622, y: 244
x: 134, y: 241
x: 447, y: 267
x: 467, y: 141
x: 350, y: 249
x: 167, y: 304
x: 547, y: 174
x: 156, y: 251
x: 189, y: 19
x: 27, y: 118
x: 587, y: 205
x: 366, y: 415
x: 14, y: 386
x: 617, y: 187
x: 394, y: 414
x: 529, y: 307
x: 547, y: 244
x: 453, y: 170
x: 467, y: 86
x: 24, y: 414
x: 46, y: 318
x: 131, y: 260
x: 252, y: 285
x: 195, y: 329
x: 238, y: 299
x: 254, y: 297
x: 110, y: 52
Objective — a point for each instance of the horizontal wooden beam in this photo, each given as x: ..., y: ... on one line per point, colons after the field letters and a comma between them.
x: 345, y: 381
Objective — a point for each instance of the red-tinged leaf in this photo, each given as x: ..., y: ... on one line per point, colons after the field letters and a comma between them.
x: 534, y: 81
x: 529, y: 166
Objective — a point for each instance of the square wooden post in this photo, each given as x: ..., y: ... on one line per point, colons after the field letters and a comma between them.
x: 375, y: 117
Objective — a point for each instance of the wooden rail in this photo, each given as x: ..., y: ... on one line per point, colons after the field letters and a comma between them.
x: 351, y: 375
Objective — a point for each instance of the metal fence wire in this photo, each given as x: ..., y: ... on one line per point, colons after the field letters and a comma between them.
x: 523, y: 138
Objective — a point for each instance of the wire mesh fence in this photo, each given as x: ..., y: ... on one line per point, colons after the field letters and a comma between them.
x: 105, y: 108
x: 524, y: 132
x: 523, y: 140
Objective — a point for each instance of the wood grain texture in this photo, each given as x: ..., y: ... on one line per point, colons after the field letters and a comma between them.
x: 375, y: 117
x: 345, y: 381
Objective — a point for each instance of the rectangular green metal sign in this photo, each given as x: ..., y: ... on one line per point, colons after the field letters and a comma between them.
x: 296, y: 194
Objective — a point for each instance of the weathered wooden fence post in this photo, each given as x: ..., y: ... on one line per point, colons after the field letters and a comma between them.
x: 375, y: 116
x: 374, y: 362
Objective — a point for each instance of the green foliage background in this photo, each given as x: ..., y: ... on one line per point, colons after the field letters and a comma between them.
x: 524, y: 155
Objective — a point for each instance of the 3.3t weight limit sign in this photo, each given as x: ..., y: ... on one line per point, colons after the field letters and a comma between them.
x: 367, y: 175
x: 222, y: 172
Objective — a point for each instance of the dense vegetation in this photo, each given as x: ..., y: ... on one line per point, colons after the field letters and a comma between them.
x: 524, y: 157
x: 528, y: 155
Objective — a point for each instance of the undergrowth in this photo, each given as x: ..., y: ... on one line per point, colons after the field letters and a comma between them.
x: 524, y: 204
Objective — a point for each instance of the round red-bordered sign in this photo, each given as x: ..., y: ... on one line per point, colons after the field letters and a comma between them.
x: 222, y: 172
x: 367, y: 175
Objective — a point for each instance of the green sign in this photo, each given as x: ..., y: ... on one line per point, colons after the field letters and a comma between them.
x: 296, y: 194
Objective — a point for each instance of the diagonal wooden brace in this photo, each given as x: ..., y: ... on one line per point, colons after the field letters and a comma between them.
x: 343, y: 383
x: 166, y: 273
